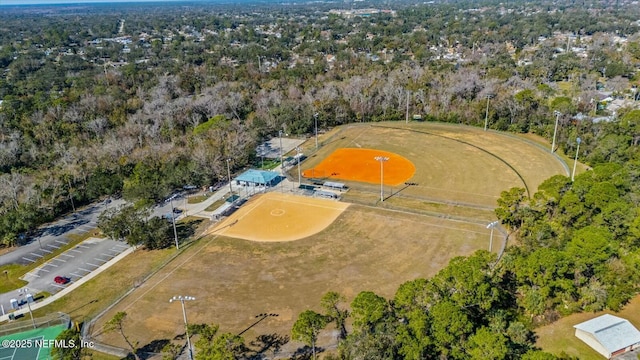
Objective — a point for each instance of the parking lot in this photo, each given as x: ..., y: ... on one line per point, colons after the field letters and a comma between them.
x: 73, y: 264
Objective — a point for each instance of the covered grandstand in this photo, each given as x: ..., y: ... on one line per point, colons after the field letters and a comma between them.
x: 254, y: 177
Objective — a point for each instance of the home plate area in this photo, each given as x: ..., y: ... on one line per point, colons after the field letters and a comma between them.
x: 280, y: 217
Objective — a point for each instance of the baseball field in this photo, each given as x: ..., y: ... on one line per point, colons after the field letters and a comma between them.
x: 449, y: 163
x: 280, y: 217
x: 279, y: 253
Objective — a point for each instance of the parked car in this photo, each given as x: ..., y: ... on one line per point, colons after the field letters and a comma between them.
x: 61, y: 280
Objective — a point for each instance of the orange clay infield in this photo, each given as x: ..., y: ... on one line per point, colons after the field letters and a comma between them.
x: 361, y: 165
x: 280, y: 217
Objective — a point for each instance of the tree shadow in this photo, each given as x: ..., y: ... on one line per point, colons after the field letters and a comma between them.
x: 187, y: 229
x: 305, y: 353
x: 267, y: 342
x: 79, y: 307
x: 152, y: 349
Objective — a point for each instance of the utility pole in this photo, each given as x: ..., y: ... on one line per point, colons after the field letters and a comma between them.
x: 407, y: 115
x: 486, y: 114
x: 555, y: 131
x: 382, y: 159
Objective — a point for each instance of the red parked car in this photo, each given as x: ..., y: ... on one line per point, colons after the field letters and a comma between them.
x: 61, y: 280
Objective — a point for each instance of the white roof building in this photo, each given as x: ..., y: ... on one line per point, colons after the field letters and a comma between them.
x: 609, y: 335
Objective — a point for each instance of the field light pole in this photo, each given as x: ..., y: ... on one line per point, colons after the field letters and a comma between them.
x: 281, y: 160
x: 173, y: 221
x: 555, y: 130
x: 27, y: 296
x: 382, y: 159
x: 229, y: 176
x: 575, y: 161
x: 406, y: 120
x: 486, y: 114
x: 492, y: 226
x: 315, y: 120
x: 299, y: 174
x: 182, y: 299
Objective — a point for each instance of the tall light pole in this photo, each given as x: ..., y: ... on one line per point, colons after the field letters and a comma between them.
x: 555, y: 131
x: 406, y: 120
x: 229, y: 176
x: 173, y: 221
x: 575, y: 161
x: 281, y: 161
x: 182, y: 299
x: 486, y: 114
x: 28, y: 299
x: 492, y: 226
x: 315, y: 120
x: 382, y: 159
x: 299, y: 174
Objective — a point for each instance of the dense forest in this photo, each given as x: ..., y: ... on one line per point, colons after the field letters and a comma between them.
x: 140, y: 101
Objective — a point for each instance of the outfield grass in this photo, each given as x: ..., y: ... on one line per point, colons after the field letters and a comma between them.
x: 559, y: 337
x: 234, y: 280
x: 454, y: 164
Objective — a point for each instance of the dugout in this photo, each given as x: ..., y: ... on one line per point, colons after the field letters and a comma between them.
x: 334, y: 185
x: 326, y: 194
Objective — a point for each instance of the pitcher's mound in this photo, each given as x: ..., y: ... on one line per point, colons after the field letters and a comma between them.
x: 280, y: 217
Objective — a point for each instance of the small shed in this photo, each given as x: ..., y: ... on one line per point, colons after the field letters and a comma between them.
x: 258, y: 178
x: 609, y: 335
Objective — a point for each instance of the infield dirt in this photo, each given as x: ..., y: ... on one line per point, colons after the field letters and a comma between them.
x: 361, y: 165
x: 280, y: 217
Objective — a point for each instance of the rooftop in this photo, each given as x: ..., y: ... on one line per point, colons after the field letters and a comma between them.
x: 612, y: 332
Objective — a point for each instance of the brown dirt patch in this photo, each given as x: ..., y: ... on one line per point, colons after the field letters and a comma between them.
x: 280, y: 217
x: 360, y: 165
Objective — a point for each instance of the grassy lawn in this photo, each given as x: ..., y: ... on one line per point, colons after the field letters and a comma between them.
x: 96, y: 355
x: 559, y: 337
x: 11, y: 273
x: 196, y: 199
x: 218, y: 203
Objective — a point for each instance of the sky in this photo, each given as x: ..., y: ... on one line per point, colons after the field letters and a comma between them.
x: 43, y: 2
